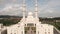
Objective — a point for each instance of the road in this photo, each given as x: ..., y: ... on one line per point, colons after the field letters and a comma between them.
x: 55, y: 31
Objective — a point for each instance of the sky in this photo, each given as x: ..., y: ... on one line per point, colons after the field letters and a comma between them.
x: 46, y: 8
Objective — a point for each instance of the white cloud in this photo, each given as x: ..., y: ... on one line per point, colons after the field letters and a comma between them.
x: 49, y: 11
x: 46, y: 9
x: 54, y: 3
x: 14, y: 0
x: 11, y: 10
x: 49, y: 6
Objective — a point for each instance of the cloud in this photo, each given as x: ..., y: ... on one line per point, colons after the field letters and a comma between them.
x: 46, y: 7
x: 11, y: 10
x: 14, y: 0
x: 49, y: 8
x: 54, y: 3
x: 2, y: 1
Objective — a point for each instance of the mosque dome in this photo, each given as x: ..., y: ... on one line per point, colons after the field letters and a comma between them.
x: 30, y: 14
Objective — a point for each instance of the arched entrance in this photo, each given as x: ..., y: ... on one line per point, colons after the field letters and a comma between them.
x: 30, y: 28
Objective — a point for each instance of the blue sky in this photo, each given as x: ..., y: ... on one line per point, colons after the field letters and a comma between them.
x: 46, y: 8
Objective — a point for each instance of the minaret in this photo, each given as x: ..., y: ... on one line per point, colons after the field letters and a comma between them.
x: 36, y: 9
x: 24, y: 8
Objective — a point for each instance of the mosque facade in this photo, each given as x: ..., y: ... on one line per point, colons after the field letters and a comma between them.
x: 30, y: 24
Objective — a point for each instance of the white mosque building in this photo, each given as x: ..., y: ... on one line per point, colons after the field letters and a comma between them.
x: 30, y: 24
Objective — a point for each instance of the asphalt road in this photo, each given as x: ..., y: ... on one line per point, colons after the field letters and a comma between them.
x: 55, y: 32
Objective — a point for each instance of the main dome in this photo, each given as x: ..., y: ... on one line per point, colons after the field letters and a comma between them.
x: 30, y: 13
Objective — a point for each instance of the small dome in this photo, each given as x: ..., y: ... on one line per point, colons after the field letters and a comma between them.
x: 30, y: 13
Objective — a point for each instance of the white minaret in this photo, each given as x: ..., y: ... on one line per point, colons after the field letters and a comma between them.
x: 24, y: 8
x: 36, y: 9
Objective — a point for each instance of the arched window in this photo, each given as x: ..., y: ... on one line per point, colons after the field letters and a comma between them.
x: 14, y: 33
x: 35, y: 24
x: 25, y: 24
x: 41, y: 26
x: 45, y: 32
x: 22, y: 32
x: 48, y: 32
x: 38, y: 32
x: 18, y: 26
x: 11, y: 33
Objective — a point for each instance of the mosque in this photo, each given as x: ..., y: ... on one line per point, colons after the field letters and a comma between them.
x: 30, y: 24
